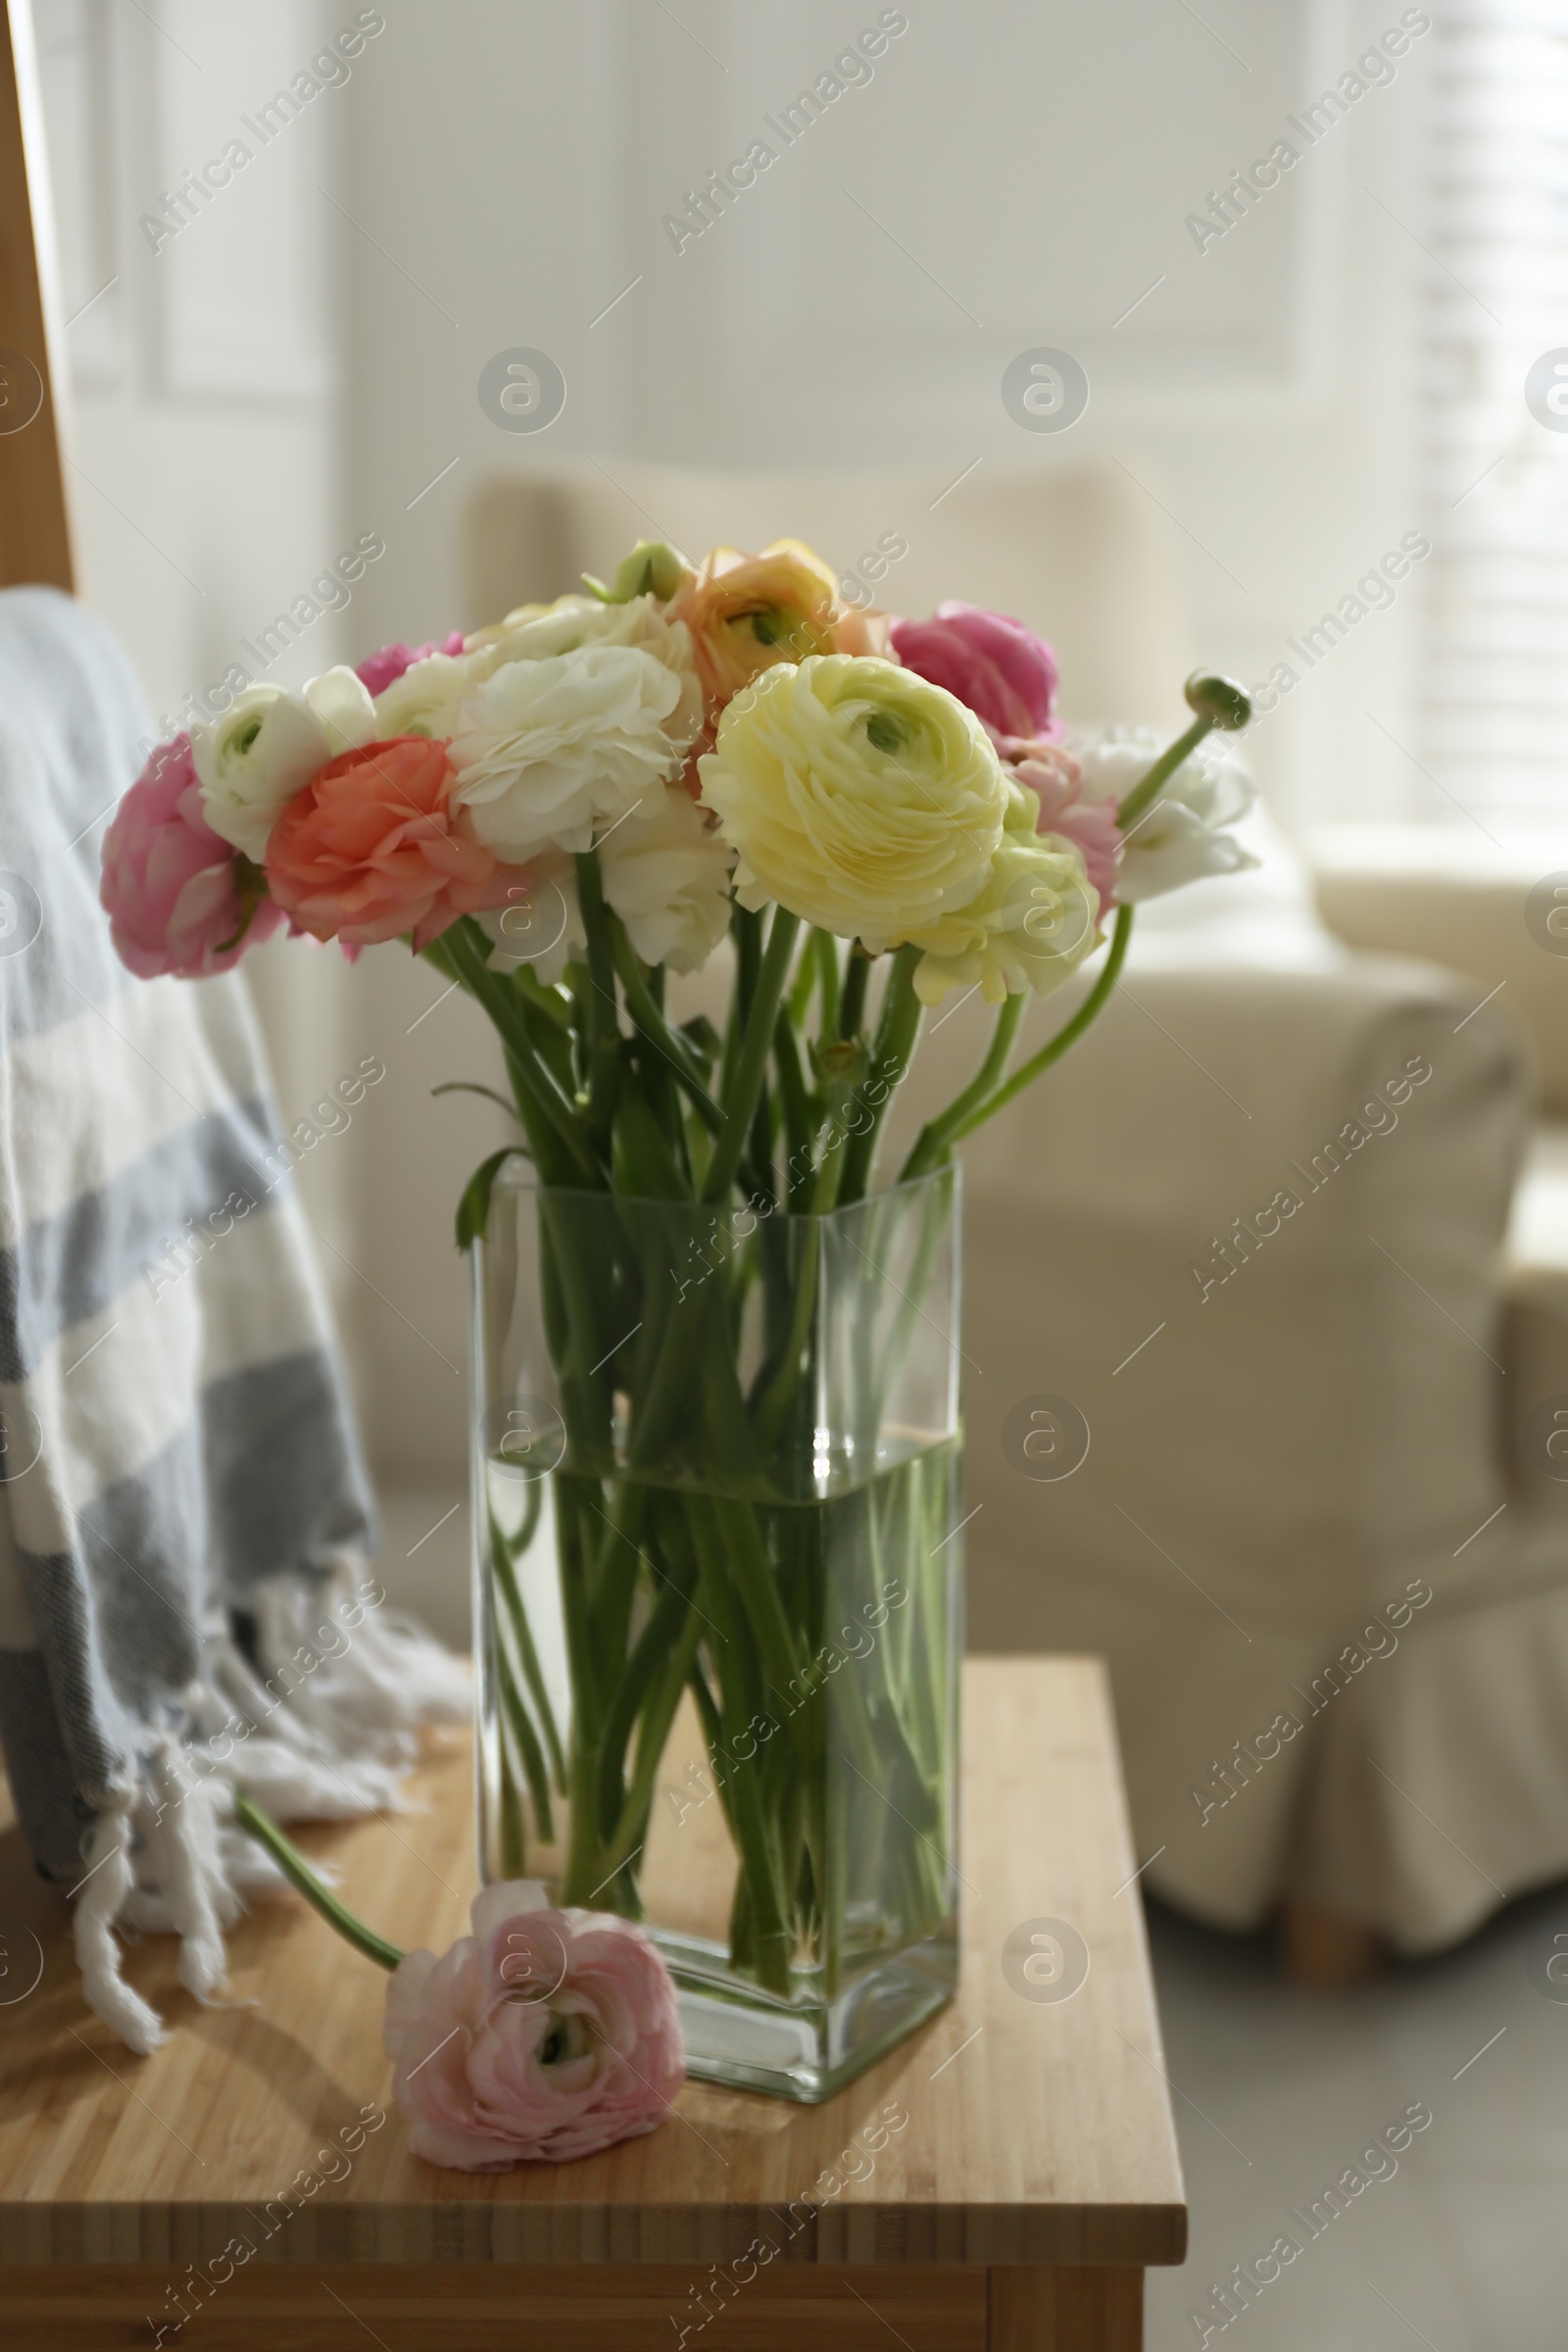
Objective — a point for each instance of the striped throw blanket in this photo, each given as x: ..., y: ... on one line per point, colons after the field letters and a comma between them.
x: 185, y: 1517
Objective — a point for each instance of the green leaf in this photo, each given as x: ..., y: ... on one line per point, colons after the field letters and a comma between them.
x: 555, y: 1003
x: 471, y: 1086
x: 643, y: 1165
x: 473, y: 1209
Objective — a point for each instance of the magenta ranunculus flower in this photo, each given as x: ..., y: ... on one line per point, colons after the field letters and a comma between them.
x: 542, y: 2036
x: 1002, y: 672
x: 379, y: 670
x: 180, y: 900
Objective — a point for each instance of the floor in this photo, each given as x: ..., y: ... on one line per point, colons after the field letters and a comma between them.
x: 1460, y: 2245
x: 1460, y: 2241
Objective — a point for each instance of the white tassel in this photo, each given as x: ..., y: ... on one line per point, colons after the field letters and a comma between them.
x: 182, y: 1843
x: 329, y: 1746
x: 104, y: 1894
x: 371, y: 1695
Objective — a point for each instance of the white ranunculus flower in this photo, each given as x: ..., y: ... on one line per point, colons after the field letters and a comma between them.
x: 424, y: 700
x: 545, y: 751
x: 1183, y: 837
x: 666, y: 875
x: 343, y: 705
x: 267, y: 743
x: 538, y: 632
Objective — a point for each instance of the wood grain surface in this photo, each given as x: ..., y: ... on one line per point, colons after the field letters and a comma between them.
x: 1038, y: 2132
x: 311, y: 2307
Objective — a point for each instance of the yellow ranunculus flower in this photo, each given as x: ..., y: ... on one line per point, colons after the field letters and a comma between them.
x: 859, y: 796
x: 1029, y: 926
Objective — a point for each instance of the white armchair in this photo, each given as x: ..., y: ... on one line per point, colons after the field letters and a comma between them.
x: 1311, y: 1534
x: 1253, y: 1230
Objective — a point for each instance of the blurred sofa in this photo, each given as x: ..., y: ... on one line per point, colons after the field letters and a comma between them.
x: 1283, y: 1239
x: 1287, y: 1233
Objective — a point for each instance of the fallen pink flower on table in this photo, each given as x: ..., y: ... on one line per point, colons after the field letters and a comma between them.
x: 543, y: 2036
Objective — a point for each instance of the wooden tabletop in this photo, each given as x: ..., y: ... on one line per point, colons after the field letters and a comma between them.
x: 1037, y: 2128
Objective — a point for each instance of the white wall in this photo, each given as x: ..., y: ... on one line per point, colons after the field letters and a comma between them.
x: 1028, y: 170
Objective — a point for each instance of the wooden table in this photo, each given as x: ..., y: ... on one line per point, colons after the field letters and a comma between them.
x: 1035, y: 2176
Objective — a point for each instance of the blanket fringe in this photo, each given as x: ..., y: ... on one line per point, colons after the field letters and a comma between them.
x: 325, y: 1741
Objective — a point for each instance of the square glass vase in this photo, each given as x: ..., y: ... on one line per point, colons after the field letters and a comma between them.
x: 718, y: 1601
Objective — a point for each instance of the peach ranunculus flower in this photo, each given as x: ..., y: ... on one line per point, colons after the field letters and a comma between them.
x: 371, y: 849
x: 864, y: 629
x: 542, y: 2036
x: 745, y: 612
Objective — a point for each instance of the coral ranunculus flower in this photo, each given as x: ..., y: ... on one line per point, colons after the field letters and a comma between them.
x: 745, y: 612
x: 371, y: 849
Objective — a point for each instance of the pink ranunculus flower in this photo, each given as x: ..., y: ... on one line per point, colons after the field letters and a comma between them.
x: 1057, y: 777
x: 542, y: 2036
x: 370, y: 848
x: 1004, y: 673
x: 379, y: 670
x: 180, y: 900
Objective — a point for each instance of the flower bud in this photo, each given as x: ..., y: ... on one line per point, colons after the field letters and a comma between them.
x: 1220, y: 700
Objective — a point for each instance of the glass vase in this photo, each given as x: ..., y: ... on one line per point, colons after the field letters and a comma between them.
x: 718, y: 1601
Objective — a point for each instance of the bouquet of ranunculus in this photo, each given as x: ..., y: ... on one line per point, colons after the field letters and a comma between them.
x: 558, y: 810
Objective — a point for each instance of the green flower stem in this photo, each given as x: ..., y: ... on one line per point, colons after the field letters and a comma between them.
x: 851, y: 1006
x: 654, y: 1026
x: 527, y: 1739
x: 824, y: 953
x: 463, y: 953
x: 513, y: 1842
x: 1148, y: 789
x: 807, y: 972
x: 730, y: 1447
x: 759, y: 1860
x: 746, y: 937
x: 774, y: 1407
x: 506, y: 1556
x: 714, y: 1732
x: 585, y: 1383
x: 670, y: 1611
x: 751, y: 1062
x: 292, y: 1863
x: 737, y: 1529
x: 604, y: 1018
x: 581, y: 1660
x: 796, y: 1105
x: 931, y: 1144
x: 826, y: 1185
x: 897, y: 1031
x: 652, y: 1740
x: 653, y: 1416
x: 1088, y: 1012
